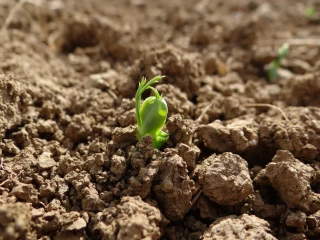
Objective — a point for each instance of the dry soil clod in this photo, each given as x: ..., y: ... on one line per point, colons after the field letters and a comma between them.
x: 291, y: 178
x: 225, y: 178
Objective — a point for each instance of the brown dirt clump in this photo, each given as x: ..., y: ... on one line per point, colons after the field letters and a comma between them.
x: 170, y: 61
x: 173, y: 187
x: 168, y: 179
x: 294, y: 188
x: 15, y: 220
x: 242, y: 227
x: 225, y: 178
x: 236, y: 136
x: 131, y: 219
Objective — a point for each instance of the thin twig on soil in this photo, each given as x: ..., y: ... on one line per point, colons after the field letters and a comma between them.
x: 112, y: 94
x: 204, y: 112
x: 2, y: 168
x: 41, y: 16
x: 1, y: 164
x: 12, y: 12
x: 195, y: 198
x: 293, y: 42
x: 267, y: 105
x: 5, y: 181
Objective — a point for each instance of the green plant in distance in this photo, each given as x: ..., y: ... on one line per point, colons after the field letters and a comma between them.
x: 273, y: 67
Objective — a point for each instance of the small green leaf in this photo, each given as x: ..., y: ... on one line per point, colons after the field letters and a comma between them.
x: 272, y: 69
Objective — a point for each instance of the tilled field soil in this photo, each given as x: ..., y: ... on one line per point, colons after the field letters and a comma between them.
x: 242, y: 160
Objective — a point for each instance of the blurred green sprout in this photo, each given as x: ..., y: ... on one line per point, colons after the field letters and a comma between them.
x: 151, y: 114
x: 273, y: 67
x: 309, y: 12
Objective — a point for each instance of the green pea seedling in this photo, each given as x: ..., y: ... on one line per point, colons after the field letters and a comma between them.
x: 275, y: 64
x: 152, y: 113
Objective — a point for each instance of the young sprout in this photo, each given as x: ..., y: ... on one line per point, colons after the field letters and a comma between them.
x: 309, y: 12
x: 275, y: 64
x: 152, y: 114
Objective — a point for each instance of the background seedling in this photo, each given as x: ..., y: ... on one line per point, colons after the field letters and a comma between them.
x: 275, y: 64
x: 151, y: 114
x: 309, y: 12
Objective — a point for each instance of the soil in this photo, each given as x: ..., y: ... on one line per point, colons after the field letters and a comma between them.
x: 243, y: 157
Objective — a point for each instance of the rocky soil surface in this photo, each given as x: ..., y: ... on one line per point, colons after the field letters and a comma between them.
x: 243, y: 156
